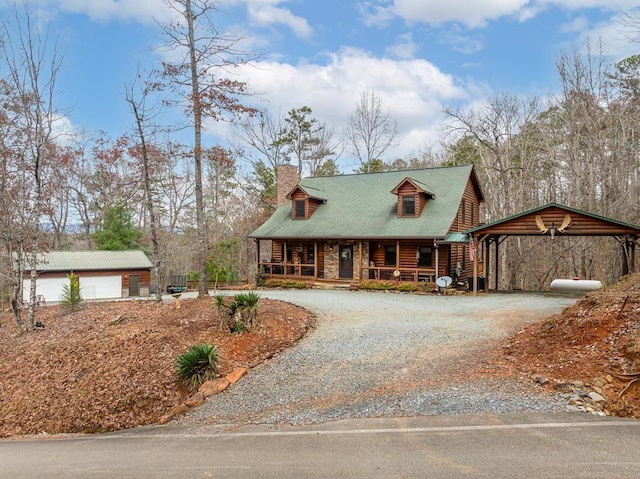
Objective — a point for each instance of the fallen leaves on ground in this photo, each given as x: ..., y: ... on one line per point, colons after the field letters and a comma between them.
x: 598, y: 336
x: 111, y: 366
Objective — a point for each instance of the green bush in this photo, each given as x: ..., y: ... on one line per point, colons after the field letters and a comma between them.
x: 286, y: 283
x: 389, y: 286
x: 407, y: 287
x: 378, y: 285
x: 197, y: 365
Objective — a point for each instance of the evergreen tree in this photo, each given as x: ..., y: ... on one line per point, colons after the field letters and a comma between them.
x: 117, y: 231
x: 71, y: 296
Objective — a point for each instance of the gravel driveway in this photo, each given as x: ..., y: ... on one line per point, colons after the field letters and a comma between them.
x: 382, y: 354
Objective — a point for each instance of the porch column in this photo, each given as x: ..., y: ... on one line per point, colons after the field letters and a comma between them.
x: 487, y: 262
x: 360, y: 261
x: 284, y: 259
x: 435, y: 246
x: 258, y: 250
x: 398, y: 254
x: 475, y: 267
x: 315, y: 260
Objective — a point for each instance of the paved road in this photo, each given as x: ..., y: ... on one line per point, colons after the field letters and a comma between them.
x: 490, y: 446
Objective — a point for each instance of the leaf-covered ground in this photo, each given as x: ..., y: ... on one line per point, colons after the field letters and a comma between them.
x: 598, y: 336
x: 112, y: 365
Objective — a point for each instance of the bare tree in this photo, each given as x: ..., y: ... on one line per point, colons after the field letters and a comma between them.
x: 370, y: 131
x: 200, y: 77
x: 137, y: 96
x: 31, y: 61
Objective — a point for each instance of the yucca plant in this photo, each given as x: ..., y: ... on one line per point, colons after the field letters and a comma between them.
x: 249, y: 306
x: 197, y: 365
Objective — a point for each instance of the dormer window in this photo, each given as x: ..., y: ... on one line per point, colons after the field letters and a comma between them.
x: 300, y: 209
x: 305, y: 201
x: 409, y: 205
x: 412, y: 197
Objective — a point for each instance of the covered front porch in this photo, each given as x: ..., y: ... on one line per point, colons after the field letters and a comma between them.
x: 344, y: 260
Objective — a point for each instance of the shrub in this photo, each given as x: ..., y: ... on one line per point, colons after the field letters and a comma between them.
x: 407, y: 287
x: 377, y: 285
x: 197, y: 365
x: 389, y: 286
x: 286, y: 283
x: 71, y: 297
x: 260, y: 279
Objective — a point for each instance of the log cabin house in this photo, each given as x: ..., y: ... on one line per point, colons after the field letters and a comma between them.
x: 396, y: 225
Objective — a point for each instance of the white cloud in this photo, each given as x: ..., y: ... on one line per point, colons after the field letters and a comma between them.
x: 265, y: 13
x: 476, y: 13
x: 413, y: 91
x: 404, y: 48
x: 143, y: 11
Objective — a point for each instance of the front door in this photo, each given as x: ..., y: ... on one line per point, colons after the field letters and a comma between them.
x: 346, y: 261
x: 134, y: 285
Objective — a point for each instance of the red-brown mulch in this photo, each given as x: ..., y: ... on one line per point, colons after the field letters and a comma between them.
x: 112, y: 365
x: 598, y: 336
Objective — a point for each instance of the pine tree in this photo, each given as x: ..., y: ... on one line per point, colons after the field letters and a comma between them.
x: 71, y: 296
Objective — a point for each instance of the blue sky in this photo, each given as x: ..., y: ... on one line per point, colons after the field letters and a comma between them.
x: 417, y: 55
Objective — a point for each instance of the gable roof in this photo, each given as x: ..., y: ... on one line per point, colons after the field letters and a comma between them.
x: 419, y: 186
x: 362, y: 206
x: 524, y: 224
x: 310, y: 191
x: 92, y: 260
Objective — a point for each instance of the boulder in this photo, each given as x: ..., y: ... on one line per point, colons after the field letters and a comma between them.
x: 235, y: 375
x: 177, y: 410
x: 195, y: 400
x: 215, y: 386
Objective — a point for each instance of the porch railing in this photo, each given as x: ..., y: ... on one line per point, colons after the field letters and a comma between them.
x: 289, y: 269
x: 416, y: 275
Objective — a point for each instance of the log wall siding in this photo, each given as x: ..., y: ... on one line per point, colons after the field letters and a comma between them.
x: 469, y: 210
x: 408, y: 252
x: 444, y: 252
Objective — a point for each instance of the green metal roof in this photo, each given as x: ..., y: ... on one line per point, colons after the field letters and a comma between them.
x: 456, y: 238
x: 92, y: 260
x: 362, y: 206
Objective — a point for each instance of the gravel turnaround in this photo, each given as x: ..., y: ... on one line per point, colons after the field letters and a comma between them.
x: 384, y: 355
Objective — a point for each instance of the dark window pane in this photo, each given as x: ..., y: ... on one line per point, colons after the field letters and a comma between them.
x: 390, y: 256
x: 425, y: 258
x: 300, y: 208
x: 408, y: 205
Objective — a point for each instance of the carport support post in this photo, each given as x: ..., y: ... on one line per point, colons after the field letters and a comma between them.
x: 475, y: 267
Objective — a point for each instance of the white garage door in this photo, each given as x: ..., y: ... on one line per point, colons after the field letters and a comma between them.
x: 100, y: 287
x: 50, y: 288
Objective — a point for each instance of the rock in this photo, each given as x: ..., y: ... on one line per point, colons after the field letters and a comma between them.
x: 598, y: 382
x: 597, y: 398
x: 597, y: 389
x: 235, y: 375
x: 541, y: 380
x: 577, y: 384
x: 215, y: 386
x: 573, y: 409
x: 609, y: 378
x: 575, y: 401
x: 580, y: 392
x: 195, y: 400
x: 177, y: 410
x: 166, y: 418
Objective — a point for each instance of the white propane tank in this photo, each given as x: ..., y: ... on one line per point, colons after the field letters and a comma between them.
x: 575, y: 284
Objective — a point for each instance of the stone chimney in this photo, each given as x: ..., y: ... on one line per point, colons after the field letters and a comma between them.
x: 286, y: 180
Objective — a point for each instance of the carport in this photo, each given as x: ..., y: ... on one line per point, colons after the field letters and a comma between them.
x: 552, y: 220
